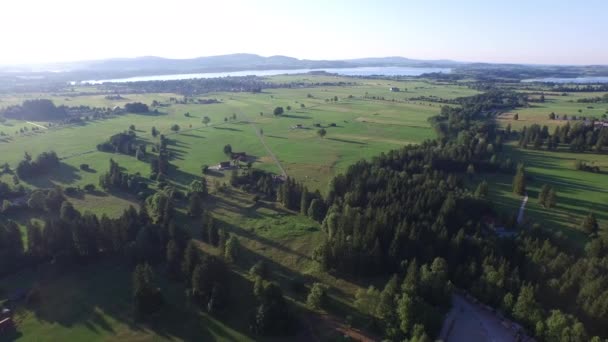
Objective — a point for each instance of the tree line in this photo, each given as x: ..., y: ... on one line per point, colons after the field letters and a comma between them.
x: 580, y: 137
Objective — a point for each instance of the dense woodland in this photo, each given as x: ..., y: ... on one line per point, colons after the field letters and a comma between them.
x: 582, y: 136
x: 409, y: 207
x: 191, y: 87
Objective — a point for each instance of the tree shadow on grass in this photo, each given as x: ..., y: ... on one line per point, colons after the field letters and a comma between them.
x: 294, y: 116
x: 192, y: 136
x: 97, y: 294
x: 347, y: 141
x: 274, y: 136
x: 64, y: 174
x: 228, y: 129
x: 180, y: 177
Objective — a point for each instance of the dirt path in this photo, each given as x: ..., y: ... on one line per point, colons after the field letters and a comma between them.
x: 520, y: 215
x: 35, y: 124
x: 261, y: 137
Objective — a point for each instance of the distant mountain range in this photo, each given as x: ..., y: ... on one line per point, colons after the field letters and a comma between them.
x: 232, y: 62
x: 146, y: 66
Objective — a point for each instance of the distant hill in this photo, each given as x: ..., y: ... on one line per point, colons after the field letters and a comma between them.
x: 232, y: 62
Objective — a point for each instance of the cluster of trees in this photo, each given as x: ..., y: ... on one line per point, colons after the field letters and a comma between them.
x: 255, y: 181
x: 37, y: 109
x: 116, y: 178
x: 547, y: 196
x: 137, y: 107
x: 411, y: 305
x: 206, y: 276
x: 296, y: 196
x: 159, y: 166
x: 8, y: 192
x: 278, y: 111
x: 519, y: 181
x: 577, y: 88
x: 195, y: 86
x: 253, y: 84
x: 147, y: 298
x: 582, y: 165
x: 125, y: 143
x: 45, y: 110
x: 595, y: 99
x: 580, y: 137
x: 272, y: 316
x: 43, y: 164
x: 198, y: 190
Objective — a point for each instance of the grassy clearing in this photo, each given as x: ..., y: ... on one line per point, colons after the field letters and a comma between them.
x: 561, y: 105
x: 578, y: 192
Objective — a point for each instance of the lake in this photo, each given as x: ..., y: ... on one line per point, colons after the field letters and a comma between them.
x: 363, y: 71
x: 590, y: 79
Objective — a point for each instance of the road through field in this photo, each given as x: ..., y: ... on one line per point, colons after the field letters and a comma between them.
x: 37, y: 125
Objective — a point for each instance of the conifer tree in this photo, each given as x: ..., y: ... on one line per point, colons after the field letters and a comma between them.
x: 519, y: 181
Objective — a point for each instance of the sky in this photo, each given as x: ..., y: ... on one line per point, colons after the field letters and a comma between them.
x: 514, y: 31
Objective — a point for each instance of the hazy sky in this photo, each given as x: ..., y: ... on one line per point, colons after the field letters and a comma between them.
x: 519, y: 31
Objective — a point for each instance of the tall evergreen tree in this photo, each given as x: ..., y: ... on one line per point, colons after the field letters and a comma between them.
x: 543, y: 195
x: 589, y: 224
x: 519, y: 181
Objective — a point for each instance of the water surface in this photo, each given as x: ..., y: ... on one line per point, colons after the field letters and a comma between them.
x: 363, y: 71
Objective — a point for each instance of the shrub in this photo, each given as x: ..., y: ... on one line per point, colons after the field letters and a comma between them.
x: 71, y: 191
x: 317, y: 298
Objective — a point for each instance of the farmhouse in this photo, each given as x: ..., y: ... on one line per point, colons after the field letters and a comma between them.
x: 6, y: 320
x: 240, y: 156
x: 224, y: 165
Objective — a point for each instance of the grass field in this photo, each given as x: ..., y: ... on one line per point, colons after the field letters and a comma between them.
x: 364, y: 127
x: 538, y: 113
x: 578, y: 192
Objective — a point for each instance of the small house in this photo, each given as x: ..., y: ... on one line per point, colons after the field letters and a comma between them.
x: 6, y: 320
x: 394, y: 89
x: 6, y: 324
x: 224, y: 165
x: 240, y: 156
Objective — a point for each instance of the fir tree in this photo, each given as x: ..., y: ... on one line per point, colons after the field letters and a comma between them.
x: 519, y: 181
x: 543, y: 195
x: 589, y: 224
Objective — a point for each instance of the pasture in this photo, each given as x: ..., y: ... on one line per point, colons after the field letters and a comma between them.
x: 366, y: 120
x: 578, y: 192
x: 538, y: 113
x: 364, y: 127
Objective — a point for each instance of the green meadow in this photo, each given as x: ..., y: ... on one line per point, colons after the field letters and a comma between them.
x: 366, y: 120
x: 558, y: 103
x: 358, y: 127
x: 578, y: 192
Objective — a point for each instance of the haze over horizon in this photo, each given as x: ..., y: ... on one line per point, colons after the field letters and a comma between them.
x: 471, y: 31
